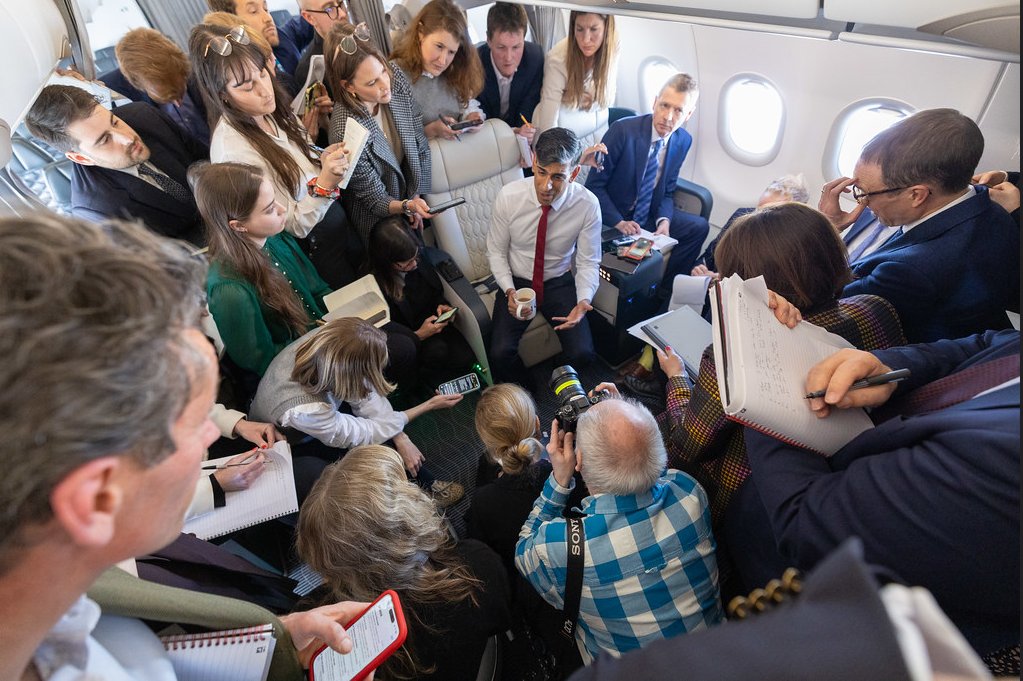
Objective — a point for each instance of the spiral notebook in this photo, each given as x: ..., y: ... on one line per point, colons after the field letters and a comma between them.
x: 272, y: 495
x: 762, y: 367
x: 227, y: 655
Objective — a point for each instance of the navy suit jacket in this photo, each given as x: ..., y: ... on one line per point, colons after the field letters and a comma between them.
x: 525, y: 86
x: 116, y: 81
x: 953, y: 275
x: 866, y: 217
x: 934, y: 497
x: 101, y: 193
x: 628, y: 147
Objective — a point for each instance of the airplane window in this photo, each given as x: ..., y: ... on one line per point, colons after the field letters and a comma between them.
x: 654, y: 72
x: 857, y: 125
x: 752, y: 119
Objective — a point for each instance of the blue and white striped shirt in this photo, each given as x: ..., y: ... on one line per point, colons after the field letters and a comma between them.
x: 650, y: 570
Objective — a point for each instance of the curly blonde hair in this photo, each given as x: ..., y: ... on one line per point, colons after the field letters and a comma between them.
x: 506, y: 423
x: 365, y: 528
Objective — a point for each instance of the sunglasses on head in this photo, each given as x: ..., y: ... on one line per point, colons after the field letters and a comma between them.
x: 348, y: 44
x: 222, y: 45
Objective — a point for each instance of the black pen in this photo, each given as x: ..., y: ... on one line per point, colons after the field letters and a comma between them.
x: 880, y: 379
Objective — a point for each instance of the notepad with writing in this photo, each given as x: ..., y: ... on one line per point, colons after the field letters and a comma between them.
x: 272, y: 495
x: 762, y: 367
x: 222, y: 655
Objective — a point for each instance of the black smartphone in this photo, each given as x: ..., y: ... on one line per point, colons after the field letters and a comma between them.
x: 441, y: 207
x: 446, y: 316
x: 462, y: 125
x: 462, y: 384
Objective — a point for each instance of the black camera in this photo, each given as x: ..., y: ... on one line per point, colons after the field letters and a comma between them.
x: 573, y: 400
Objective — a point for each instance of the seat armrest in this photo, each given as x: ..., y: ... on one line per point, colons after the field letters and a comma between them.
x: 473, y: 318
x: 699, y: 193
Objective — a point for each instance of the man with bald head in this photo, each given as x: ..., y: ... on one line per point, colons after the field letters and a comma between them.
x: 649, y: 570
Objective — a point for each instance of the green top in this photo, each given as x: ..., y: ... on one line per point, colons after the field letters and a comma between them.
x: 253, y: 334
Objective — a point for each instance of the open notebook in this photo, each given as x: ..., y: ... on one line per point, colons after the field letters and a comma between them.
x: 271, y: 496
x: 362, y: 298
x: 762, y: 367
x: 222, y: 655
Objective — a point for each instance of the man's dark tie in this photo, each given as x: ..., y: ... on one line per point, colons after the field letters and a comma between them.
x: 167, y: 183
x: 952, y: 389
x: 646, y: 188
x: 538, y: 254
x: 866, y: 243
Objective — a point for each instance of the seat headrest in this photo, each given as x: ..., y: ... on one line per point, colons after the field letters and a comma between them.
x: 476, y: 156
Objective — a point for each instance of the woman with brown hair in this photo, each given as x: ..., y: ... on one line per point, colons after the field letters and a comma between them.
x: 262, y: 290
x: 802, y: 258
x: 365, y: 529
x: 253, y: 123
x: 394, y: 166
x: 580, y: 76
x: 444, y: 67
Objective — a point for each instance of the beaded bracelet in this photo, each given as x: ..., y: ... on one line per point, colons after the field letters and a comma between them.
x: 316, y: 190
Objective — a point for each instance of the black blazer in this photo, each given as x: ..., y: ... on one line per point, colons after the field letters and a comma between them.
x: 116, y: 81
x: 101, y: 193
x: 525, y: 86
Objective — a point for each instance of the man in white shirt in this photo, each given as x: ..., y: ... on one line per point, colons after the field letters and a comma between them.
x: 540, y: 226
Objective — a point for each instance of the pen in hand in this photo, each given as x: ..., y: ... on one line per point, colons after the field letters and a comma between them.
x: 880, y: 379
x: 523, y: 117
x: 244, y: 462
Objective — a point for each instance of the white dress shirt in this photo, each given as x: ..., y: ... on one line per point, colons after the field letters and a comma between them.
x: 503, y: 86
x: 573, y: 228
x: 372, y: 421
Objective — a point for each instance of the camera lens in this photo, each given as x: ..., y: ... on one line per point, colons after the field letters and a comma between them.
x: 565, y: 383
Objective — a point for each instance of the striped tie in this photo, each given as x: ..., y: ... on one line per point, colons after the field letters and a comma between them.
x: 646, y: 189
x: 866, y: 243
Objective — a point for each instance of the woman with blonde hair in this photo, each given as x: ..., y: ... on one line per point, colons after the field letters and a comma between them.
x: 330, y: 386
x: 508, y: 425
x: 365, y: 529
x: 444, y: 67
x: 580, y: 77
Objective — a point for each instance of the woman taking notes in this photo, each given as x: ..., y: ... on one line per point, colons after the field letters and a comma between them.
x: 252, y: 123
x: 580, y: 78
x: 394, y: 166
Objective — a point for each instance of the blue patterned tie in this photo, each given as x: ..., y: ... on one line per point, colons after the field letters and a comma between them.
x: 646, y: 188
x: 865, y: 244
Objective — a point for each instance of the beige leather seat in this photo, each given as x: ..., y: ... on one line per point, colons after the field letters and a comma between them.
x: 476, y: 168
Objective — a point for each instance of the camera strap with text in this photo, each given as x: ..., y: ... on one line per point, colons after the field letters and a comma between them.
x: 574, y: 576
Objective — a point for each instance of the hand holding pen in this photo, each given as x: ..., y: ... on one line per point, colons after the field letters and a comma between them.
x: 240, y: 471
x: 850, y: 378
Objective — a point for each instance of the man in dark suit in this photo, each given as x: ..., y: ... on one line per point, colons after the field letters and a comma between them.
x: 839, y: 627
x: 952, y: 269
x: 637, y: 184
x: 513, y: 69
x: 932, y: 492
x: 131, y: 164
x: 287, y: 42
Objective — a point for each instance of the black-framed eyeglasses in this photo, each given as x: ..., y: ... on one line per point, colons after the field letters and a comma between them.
x: 859, y: 196
x: 222, y: 44
x: 332, y: 12
x: 348, y: 44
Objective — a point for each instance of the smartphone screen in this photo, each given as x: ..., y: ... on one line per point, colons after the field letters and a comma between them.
x: 639, y: 249
x: 379, y: 630
x: 462, y: 385
x: 446, y: 316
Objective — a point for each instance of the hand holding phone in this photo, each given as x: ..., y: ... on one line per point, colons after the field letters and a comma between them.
x: 375, y: 634
x: 460, y: 385
x: 445, y: 316
x: 468, y: 123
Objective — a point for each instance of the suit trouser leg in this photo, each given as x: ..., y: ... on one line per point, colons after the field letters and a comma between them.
x: 505, y: 335
x: 690, y: 231
x: 559, y: 298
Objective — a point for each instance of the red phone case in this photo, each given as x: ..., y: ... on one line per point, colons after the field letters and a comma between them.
x: 644, y: 249
x: 385, y: 653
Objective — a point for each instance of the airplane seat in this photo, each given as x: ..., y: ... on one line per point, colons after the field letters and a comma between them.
x: 105, y: 60
x: 617, y: 112
x: 42, y: 171
x: 476, y: 168
x: 589, y: 127
x: 693, y: 198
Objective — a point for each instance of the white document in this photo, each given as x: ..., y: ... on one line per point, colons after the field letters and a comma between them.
x: 524, y: 151
x: 690, y: 291
x: 317, y: 70
x: 762, y: 366
x: 272, y: 495
x: 362, y: 298
x: 684, y: 330
x: 355, y: 141
x: 662, y: 242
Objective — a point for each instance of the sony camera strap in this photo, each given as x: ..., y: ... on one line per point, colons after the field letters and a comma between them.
x: 574, y: 576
